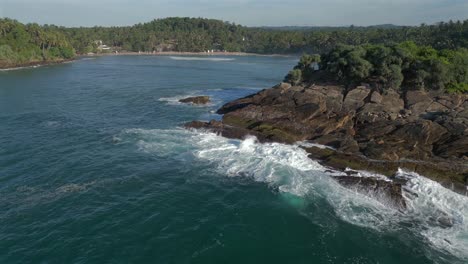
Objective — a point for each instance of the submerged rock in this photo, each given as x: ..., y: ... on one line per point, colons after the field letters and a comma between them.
x: 196, y: 100
x: 387, y: 192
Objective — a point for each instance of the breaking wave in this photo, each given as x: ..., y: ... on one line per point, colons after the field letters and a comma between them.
x: 20, y: 68
x: 429, y: 203
x: 174, y: 100
x: 436, y: 214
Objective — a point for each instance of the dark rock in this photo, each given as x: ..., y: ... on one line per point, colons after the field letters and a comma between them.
x: 418, y: 101
x: 308, y: 110
x: 349, y: 144
x: 371, y: 113
x: 449, y: 174
x: 463, y: 113
x: 196, y: 100
x: 225, y: 130
x: 387, y: 192
x: 437, y: 107
x: 423, y: 132
x: 196, y: 124
x: 376, y: 97
x: 451, y: 101
x: 379, y: 132
x: 329, y: 97
x: 391, y: 102
x: 417, y: 96
x: 379, y: 129
x: 332, y: 140
x: 453, y: 147
x: 355, y: 98
x: 443, y: 221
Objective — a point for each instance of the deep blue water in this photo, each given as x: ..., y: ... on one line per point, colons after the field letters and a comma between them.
x: 95, y: 168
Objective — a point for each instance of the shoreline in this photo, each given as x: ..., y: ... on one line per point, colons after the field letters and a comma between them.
x: 184, y: 53
x: 35, y: 64
x: 425, y: 135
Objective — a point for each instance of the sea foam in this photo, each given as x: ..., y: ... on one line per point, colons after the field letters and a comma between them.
x: 289, y: 169
x: 174, y: 100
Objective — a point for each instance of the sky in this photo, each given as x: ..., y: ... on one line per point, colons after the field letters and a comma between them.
x: 244, y: 12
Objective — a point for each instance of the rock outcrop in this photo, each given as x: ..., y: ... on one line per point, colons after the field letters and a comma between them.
x: 196, y: 100
x: 387, y: 192
x: 425, y: 132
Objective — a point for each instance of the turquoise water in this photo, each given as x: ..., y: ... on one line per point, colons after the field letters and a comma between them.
x: 95, y: 168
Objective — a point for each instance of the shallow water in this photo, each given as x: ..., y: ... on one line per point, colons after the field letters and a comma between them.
x: 95, y: 168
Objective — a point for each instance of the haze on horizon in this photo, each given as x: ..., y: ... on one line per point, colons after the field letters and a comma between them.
x: 244, y: 12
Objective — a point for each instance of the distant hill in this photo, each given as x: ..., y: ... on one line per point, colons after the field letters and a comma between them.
x: 327, y: 28
x: 200, y: 34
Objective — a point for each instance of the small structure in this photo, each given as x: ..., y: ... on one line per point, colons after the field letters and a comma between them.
x: 103, y: 47
x: 100, y: 46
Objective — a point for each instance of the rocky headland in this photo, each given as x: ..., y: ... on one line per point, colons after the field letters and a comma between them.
x: 365, y: 129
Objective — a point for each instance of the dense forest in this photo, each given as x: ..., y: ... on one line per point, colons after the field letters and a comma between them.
x: 23, y: 44
x: 197, y: 34
x: 397, y: 66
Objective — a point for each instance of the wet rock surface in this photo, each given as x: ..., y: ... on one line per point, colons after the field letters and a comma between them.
x: 196, y: 100
x: 387, y: 192
x: 379, y: 131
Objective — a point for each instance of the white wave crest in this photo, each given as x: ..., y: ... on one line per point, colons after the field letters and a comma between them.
x: 429, y: 203
x: 288, y: 168
x: 174, y: 100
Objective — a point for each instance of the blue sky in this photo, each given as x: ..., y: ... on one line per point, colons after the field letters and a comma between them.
x: 245, y: 12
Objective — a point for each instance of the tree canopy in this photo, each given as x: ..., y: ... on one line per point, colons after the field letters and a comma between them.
x: 21, y: 43
x: 392, y: 66
x: 199, y: 34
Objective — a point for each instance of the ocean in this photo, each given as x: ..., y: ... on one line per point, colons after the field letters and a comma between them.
x: 96, y: 167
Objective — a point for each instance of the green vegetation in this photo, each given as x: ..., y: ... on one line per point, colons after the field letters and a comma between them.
x: 294, y: 77
x: 398, y: 66
x: 304, y: 69
x: 28, y: 43
x: 170, y: 34
x: 31, y: 43
x: 197, y: 34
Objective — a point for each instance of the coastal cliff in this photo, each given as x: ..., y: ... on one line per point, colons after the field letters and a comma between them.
x: 364, y: 129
